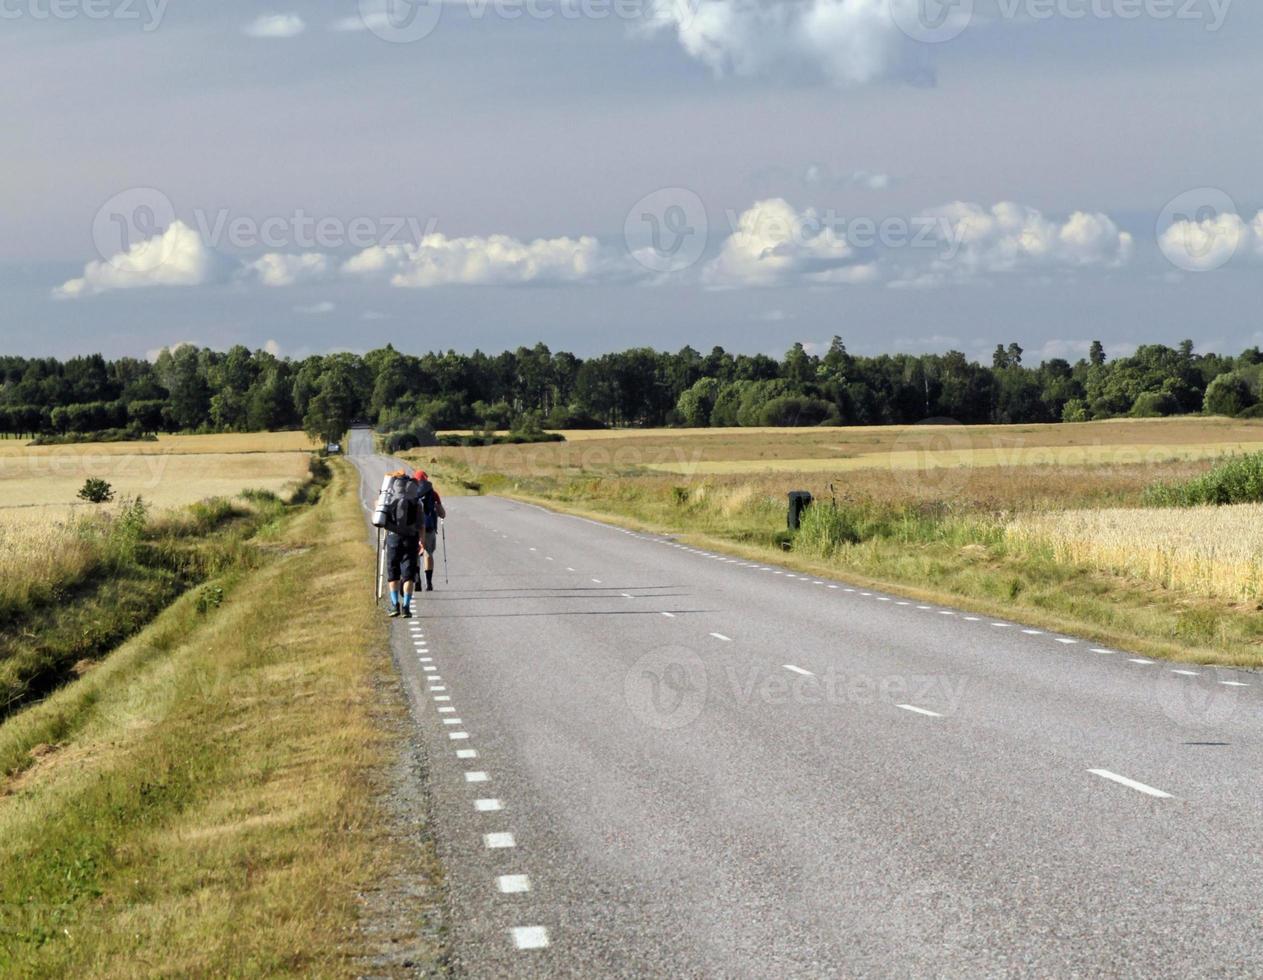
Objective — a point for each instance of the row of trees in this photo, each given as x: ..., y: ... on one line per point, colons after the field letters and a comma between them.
x: 197, y: 389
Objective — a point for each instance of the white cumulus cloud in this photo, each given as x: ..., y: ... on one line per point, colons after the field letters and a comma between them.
x: 276, y: 26
x: 1199, y: 245
x: 493, y: 260
x: 278, y: 269
x: 847, y: 42
x: 971, y: 240
x: 176, y: 257
x: 773, y: 244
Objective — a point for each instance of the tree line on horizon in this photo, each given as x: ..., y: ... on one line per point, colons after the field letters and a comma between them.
x: 192, y: 389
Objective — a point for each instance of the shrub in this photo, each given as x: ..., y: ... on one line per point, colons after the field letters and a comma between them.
x: 1154, y: 404
x: 1237, y: 481
x: 1228, y: 394
x: 96, y: 491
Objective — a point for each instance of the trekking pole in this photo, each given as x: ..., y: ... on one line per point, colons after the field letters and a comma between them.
x: 380, y: 564
x: 443, y: 527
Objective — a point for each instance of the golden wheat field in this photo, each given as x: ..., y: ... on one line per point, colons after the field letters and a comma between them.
x: 227, y: 442
x: 1213, y: 551
x: 38, y: 488
x: 750, y: 451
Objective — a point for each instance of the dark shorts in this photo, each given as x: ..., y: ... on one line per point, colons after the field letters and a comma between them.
x: 401, y: 558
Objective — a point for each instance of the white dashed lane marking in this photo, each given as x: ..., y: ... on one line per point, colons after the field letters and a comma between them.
x: 500, y: 840
x: 720, y: 636
x: 476, y: 777
x: 669, y: 615
x: 457, y: 736
x: 1130, y: 783
x: 1188, y: 673
x: 920, y: 711
x: 513, y: 884
x: 530, y: 937
x: 488, y: 805
x: 467, y: 753
x: 1233, y: 684
x: 798, y: 670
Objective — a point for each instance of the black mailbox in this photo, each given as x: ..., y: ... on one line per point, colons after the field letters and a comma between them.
x: 799, y: 501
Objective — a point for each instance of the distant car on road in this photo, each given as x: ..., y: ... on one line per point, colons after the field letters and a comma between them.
x: 333, y: 447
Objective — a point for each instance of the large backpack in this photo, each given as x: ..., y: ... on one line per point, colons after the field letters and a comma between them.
x: 404, y: 512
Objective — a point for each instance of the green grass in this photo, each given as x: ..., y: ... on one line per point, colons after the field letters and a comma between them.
x: 1239, y: 480
x: 202, y: 803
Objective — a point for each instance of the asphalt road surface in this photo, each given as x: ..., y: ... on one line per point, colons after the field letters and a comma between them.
x: 648, y: 760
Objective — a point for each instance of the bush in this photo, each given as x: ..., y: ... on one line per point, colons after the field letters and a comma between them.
x: 1228, y: 394
x: 1154, y: 404
x: 96, y: 491
x: 1237, y: 481
x: 413, y: 437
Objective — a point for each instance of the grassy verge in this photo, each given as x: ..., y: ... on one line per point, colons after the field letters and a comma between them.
x: 72, y: 592
x: 944, y: 551
x: 204, y: 801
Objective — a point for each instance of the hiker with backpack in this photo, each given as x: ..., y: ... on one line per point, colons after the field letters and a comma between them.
x: 429, y: 538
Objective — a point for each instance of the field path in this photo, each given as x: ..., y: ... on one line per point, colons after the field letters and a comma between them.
x: 651, y: 761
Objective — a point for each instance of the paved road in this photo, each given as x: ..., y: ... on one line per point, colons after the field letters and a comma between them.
x: 653, y: 761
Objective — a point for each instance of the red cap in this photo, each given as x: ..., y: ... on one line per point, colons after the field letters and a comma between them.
x: 420, y: 475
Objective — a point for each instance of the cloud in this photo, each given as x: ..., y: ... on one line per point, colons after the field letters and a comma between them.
x: 176, y: 257
x: 275, y: 26
x: 278, y: 269
x: 821, y: 175
x: 973, y: 241
x: 273, y: 348
x: 1208, y: 243
x: 494, y: 260
x: 316, y: 309
x: 775, y: 245
x: 153, y: 354
x: 845, y: 42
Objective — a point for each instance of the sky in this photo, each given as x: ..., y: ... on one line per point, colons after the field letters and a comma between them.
x: 912, y: 175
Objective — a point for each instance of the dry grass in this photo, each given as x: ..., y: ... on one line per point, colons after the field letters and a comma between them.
x: 917, y: 451
x: 37, y: 488
x: 227, y: 442
x: 1211, y: 551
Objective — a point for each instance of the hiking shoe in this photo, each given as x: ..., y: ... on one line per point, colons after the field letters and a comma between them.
x: 407, y: 612
x: 394, y: 612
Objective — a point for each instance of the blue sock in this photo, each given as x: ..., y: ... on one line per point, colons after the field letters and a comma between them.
x: 394, y: 597
x: 407, y: 598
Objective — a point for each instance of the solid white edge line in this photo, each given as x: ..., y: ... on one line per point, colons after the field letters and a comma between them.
x: 1130, y: 783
